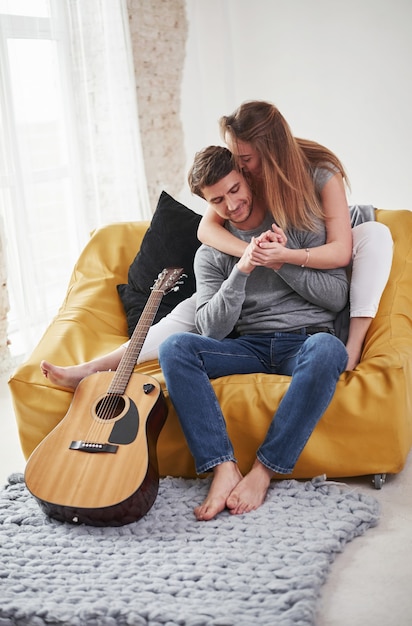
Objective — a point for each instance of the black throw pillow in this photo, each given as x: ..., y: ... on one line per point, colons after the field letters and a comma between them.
x: 170, y: 241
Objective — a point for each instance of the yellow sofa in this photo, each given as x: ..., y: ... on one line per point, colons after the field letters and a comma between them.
x: 367, y: 429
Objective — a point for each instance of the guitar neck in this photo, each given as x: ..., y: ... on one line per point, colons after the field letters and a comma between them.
x: 128, y: 361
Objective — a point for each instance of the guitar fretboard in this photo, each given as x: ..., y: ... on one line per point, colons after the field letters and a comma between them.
x: 128, y: 361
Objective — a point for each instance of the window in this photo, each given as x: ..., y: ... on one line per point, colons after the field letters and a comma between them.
x: 53, y: 188
x: 37, y: 172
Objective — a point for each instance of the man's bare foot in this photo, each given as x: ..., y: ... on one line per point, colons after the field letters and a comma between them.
x: 68, y: 377
x: 250, y: 493
x: 225, y: 478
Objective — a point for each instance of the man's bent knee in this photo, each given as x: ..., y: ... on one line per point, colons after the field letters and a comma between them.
x: 326, y: 350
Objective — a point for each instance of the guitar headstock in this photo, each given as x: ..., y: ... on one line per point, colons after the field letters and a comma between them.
x: 168, y: 280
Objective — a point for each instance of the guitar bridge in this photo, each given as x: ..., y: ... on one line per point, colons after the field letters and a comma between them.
x: 91, y: 446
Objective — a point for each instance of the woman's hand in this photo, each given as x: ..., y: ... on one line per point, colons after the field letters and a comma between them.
x: 274, y: 235
x: 268, y: 250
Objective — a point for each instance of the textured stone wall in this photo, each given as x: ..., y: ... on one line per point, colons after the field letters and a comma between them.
x: 158, y: 34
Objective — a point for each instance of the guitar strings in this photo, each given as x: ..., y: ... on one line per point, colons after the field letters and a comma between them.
x: 105, y: 409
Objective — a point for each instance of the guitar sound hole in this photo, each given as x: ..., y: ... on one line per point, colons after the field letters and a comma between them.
x: 110, y: 406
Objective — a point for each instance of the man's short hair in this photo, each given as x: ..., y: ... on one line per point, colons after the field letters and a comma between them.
x: 210, y: 165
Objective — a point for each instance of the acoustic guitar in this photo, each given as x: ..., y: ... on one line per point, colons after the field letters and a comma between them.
x: 98, y: 466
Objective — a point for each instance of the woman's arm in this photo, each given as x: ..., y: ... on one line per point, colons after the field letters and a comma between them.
x: 212, y: 233
x: 337, y: 251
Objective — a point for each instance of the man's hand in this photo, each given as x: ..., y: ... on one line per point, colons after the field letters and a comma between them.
x: 270, y: 248
x: 245, y: 263
x: 267, y: 250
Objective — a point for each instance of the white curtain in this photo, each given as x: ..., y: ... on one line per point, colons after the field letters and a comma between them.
x: 106, y: 109
x: 70, y: 155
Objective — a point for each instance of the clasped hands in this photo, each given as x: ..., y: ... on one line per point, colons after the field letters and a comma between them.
x: 267, y: 250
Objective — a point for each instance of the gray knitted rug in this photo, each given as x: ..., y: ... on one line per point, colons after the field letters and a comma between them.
x: 264, y: 568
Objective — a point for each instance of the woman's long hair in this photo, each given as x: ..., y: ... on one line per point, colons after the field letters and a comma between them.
x: 287, y: 163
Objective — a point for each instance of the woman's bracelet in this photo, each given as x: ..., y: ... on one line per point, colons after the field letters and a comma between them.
x: 307, y: 258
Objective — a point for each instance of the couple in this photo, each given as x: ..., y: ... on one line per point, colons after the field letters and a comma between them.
x: 283, y: 309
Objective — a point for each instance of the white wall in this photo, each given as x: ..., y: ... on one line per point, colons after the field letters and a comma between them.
x: 340, y: 72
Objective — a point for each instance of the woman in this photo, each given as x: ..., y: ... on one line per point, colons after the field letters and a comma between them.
x: 282, y: 170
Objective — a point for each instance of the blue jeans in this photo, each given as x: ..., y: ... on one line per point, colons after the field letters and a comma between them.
x: 189, y: 361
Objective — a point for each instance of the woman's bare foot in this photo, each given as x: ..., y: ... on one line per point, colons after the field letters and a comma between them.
x: 68, y: 377
x: 250, y: 493
x: 358, y: 328
x: 225, y: 478
x: 353, y: 360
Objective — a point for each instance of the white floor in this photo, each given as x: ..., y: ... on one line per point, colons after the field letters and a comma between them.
x: 370, y: 583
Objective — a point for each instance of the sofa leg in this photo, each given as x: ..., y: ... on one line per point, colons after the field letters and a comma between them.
x: 379, y: 480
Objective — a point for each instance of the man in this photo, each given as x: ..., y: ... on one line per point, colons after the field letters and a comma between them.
x: 284, y: 317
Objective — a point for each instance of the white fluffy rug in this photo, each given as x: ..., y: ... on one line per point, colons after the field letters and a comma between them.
x: 263, y: 568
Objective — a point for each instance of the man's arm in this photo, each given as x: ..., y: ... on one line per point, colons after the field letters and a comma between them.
x: 326, y: 288
x: 219, y: 299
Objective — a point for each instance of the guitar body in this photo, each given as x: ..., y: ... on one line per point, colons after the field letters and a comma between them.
x: 99, y: 465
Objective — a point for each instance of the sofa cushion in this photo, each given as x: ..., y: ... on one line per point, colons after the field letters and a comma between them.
x: 171, y: 241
